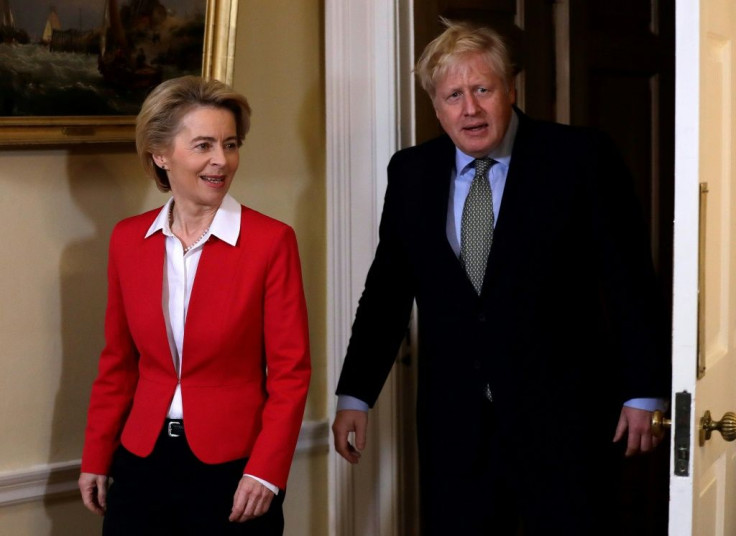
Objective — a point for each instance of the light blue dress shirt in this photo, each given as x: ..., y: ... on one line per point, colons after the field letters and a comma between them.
x: 462, y: 178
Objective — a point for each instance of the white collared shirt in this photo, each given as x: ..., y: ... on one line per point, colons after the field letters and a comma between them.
x: 179, y: 271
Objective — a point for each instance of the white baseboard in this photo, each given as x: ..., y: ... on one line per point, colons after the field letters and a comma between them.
x: 59, y: 479
x: 39, y: 482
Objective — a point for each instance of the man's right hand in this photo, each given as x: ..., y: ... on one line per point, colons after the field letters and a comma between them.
x: 94, y: 492
x: 346, y: 421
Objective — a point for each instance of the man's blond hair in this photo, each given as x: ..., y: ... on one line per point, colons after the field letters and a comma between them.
x: 457, y: 41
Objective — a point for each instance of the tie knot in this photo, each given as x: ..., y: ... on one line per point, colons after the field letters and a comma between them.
x: 482, y: 165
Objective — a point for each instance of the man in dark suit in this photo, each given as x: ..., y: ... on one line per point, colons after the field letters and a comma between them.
x: 539, y: 332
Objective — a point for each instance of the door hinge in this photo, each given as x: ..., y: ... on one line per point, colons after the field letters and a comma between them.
x: 683, y: 403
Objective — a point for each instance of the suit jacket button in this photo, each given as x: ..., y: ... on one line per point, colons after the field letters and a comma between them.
x: 481, y: 318
x: 476, y: 364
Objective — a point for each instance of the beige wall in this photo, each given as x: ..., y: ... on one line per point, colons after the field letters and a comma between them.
x: 58, y: 206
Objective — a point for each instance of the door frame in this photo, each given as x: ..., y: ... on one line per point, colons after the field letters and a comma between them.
x: 685, y: 255
x: 368, y: 110
x: 369, y: 115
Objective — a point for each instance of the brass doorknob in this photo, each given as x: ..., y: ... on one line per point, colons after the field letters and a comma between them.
x: 726, y: 426
x: 659, y: 424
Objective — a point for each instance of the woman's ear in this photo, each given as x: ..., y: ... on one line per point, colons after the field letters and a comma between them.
x: 160, y: 161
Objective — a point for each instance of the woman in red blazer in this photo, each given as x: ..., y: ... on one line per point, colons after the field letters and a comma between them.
x: 196, y: 410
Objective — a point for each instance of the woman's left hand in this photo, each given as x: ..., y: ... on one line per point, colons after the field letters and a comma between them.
x: 252, y: 499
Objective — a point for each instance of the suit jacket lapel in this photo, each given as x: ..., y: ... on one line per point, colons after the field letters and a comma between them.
x: 514, y: 205
x: 435, y: 190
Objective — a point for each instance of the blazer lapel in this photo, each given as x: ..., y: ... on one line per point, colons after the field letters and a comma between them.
x: 147, y: 265
x: 210, y: 302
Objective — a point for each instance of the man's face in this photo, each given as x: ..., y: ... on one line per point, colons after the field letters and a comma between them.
x: 473, y: 105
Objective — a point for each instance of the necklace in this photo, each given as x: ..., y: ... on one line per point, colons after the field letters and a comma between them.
x: 171, y: 224
x: 197, y: 241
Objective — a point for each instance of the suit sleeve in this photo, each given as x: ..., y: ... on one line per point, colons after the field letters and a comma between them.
x: 286, y: 342
x: 384, y: 308
x: 635, y: 308
x: 114, y: 387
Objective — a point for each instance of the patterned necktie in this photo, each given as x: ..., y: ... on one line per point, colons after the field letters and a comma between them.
x: 476, y: 233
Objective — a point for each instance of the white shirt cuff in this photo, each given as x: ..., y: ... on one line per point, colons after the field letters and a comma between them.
x: 270, y: 486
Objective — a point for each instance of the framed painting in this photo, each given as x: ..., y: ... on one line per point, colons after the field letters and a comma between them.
x: 78, y: 72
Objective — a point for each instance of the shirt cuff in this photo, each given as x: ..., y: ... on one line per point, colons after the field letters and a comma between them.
x: 648, y: 404
x: 352, y: 403
x: 270, y: 486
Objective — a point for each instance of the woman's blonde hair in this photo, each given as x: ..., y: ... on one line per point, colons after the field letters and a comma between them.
x: 159, y: 119
x: 458, y: 40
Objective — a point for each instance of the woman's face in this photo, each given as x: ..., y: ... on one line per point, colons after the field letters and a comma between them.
x: 203, y: 156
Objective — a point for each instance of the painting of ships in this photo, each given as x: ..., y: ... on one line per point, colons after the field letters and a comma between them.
x: 103, y: 65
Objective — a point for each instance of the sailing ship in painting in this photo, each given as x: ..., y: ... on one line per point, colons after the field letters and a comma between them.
x: 70, y: 40
x: 53, y: 24
x: 9, y: 33
x: 136, y: 45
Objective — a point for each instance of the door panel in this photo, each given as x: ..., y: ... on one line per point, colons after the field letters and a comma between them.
x: 704, y: 503
x: 621, y: 63
x: 622, y: 82
x: 620, y: 73
x: 716, y: 391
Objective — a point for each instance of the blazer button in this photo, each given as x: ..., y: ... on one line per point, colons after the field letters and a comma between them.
x: 482, y: 318
x: 476, y: 364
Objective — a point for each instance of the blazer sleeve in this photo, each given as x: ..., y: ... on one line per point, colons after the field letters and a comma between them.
x: 385, y: 306
x: 114, y: 387
x: 286, y: 343
x: 635, y: 307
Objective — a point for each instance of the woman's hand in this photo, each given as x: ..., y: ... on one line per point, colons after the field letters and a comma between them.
x: 94, y: 492
x: 252, y: 499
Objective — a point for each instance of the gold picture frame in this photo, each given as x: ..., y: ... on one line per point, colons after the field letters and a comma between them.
x: 217, y: 62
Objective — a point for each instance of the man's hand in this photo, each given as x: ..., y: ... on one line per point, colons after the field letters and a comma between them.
x: 638, y: 423
x: 346, y: 421
x: 94, y: 492
x: 252, y: 499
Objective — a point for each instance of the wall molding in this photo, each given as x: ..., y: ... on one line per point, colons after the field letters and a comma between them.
x: 59, y: 479
x: 39, y: 482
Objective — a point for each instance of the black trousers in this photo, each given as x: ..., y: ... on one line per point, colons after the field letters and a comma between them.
x: 494, y: 484
x: 172, y: 492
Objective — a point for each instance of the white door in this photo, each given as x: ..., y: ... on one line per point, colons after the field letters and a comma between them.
x: 703, y: 476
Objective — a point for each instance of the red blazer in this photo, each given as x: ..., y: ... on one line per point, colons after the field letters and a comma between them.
x: 246, y: 314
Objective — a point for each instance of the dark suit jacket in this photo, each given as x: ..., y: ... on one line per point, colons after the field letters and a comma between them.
x: 566, y: 328
x: 246, y: 312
